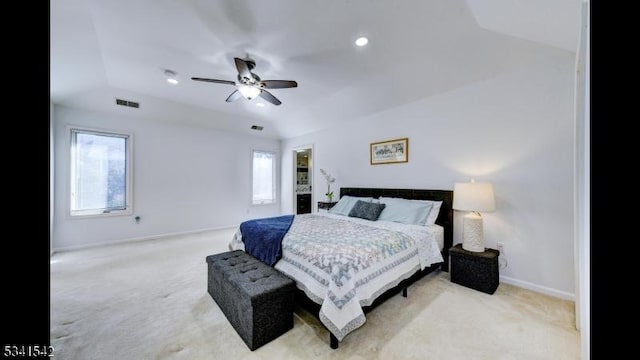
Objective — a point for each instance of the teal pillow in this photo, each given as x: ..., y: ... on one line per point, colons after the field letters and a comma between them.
x: 345, y: 204
x: 366, y: 210
x: 405, y: 211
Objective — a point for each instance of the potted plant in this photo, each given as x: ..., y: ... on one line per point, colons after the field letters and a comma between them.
x: 330, y: 179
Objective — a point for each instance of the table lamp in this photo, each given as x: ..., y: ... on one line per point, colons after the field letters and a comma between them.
x: 473, y: 197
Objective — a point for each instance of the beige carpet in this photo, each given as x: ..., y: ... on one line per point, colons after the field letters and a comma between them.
x: 148, y: 300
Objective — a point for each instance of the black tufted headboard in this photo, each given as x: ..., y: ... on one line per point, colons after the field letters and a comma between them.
x: 445, y: 218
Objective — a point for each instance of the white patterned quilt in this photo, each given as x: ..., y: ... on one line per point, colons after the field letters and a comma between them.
x: 345, y: 263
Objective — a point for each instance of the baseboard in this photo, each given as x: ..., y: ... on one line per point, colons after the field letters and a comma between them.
x: 538, y: 288
x: 137, y: 239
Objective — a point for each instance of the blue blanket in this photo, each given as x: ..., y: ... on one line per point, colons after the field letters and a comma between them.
x: 263, y: 237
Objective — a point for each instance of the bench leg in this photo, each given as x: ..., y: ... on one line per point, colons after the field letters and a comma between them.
x: 333, y: 341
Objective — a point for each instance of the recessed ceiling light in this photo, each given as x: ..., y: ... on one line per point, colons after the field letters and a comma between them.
x: 260, y: 104
x: 362, y: 41
x: 172, y: 77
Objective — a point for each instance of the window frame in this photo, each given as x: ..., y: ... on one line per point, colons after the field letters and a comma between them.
x: 83, y: 214
x: 274, y: 177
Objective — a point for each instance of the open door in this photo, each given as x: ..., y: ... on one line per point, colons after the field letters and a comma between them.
x: 303, y: 180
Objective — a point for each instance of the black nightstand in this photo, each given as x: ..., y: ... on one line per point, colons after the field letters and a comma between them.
x: 322, y: 205
x: 476, y: 270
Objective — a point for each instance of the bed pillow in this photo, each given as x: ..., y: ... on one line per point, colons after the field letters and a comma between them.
x: 405, y: 211
x: 366, y: 210
x: 435, y: 211
x: 433, y: 214
x: 345, y: 204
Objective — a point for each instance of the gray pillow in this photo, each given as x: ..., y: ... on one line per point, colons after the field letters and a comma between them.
x: 366, y: 210
x: 345, y: 204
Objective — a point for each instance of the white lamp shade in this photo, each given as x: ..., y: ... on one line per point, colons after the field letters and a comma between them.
x: 473, y: 196
x: 249, y: 92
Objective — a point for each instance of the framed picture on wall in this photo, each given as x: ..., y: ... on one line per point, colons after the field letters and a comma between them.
x: 389, y: 151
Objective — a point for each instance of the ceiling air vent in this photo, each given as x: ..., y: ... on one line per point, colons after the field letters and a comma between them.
x: 132, y: 104
x: 257, y: 127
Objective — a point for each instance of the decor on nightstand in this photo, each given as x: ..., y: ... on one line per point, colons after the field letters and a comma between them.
x: 473, y: 197
x: 330, y: 179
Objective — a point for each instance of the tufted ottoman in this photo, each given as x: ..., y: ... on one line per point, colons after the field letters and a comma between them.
x: 257, y: 299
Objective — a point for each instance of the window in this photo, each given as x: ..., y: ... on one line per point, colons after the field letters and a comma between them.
x: 100, y: 173
x: 264, y: 177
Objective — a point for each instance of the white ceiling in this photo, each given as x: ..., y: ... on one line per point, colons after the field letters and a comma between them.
x: 119, y: 48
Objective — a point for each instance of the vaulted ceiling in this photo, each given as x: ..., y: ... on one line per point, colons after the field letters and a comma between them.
x: 103, y: 49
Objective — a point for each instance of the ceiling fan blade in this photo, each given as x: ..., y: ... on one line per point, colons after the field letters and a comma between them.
x: 279, y: 84
x: 243, y: 68
x: 234, y: 96
x: 214, y: 81
x: 270, y: 98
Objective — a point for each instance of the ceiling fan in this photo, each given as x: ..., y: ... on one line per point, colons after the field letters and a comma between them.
x: 249, y: 85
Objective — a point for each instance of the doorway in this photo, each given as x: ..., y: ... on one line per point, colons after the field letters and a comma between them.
x: 303, y: 180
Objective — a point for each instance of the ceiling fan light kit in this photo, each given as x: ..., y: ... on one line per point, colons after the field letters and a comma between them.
x: 249, y: 85
x: 249, y: 92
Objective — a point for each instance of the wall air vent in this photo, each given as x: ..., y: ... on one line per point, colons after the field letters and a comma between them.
x: 132, y: 104
x: 257, y: 127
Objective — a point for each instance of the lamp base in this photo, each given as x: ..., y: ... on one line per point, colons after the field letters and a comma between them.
x: 472, y: 234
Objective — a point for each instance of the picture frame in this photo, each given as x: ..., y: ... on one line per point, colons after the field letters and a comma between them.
x: 389, y: 151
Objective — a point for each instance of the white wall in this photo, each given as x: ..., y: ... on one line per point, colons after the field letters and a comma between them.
x: 583, y: 187
x: 184, y: 179
x: 51, y: 177
x: 514, y: 130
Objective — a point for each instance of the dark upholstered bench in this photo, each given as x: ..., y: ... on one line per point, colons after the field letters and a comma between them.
x: 257, y: 299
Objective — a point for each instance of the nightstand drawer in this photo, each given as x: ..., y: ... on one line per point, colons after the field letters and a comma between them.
x: 476, y: 270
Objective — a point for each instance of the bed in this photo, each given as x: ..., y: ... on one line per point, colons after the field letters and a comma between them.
x: 344, y: 266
